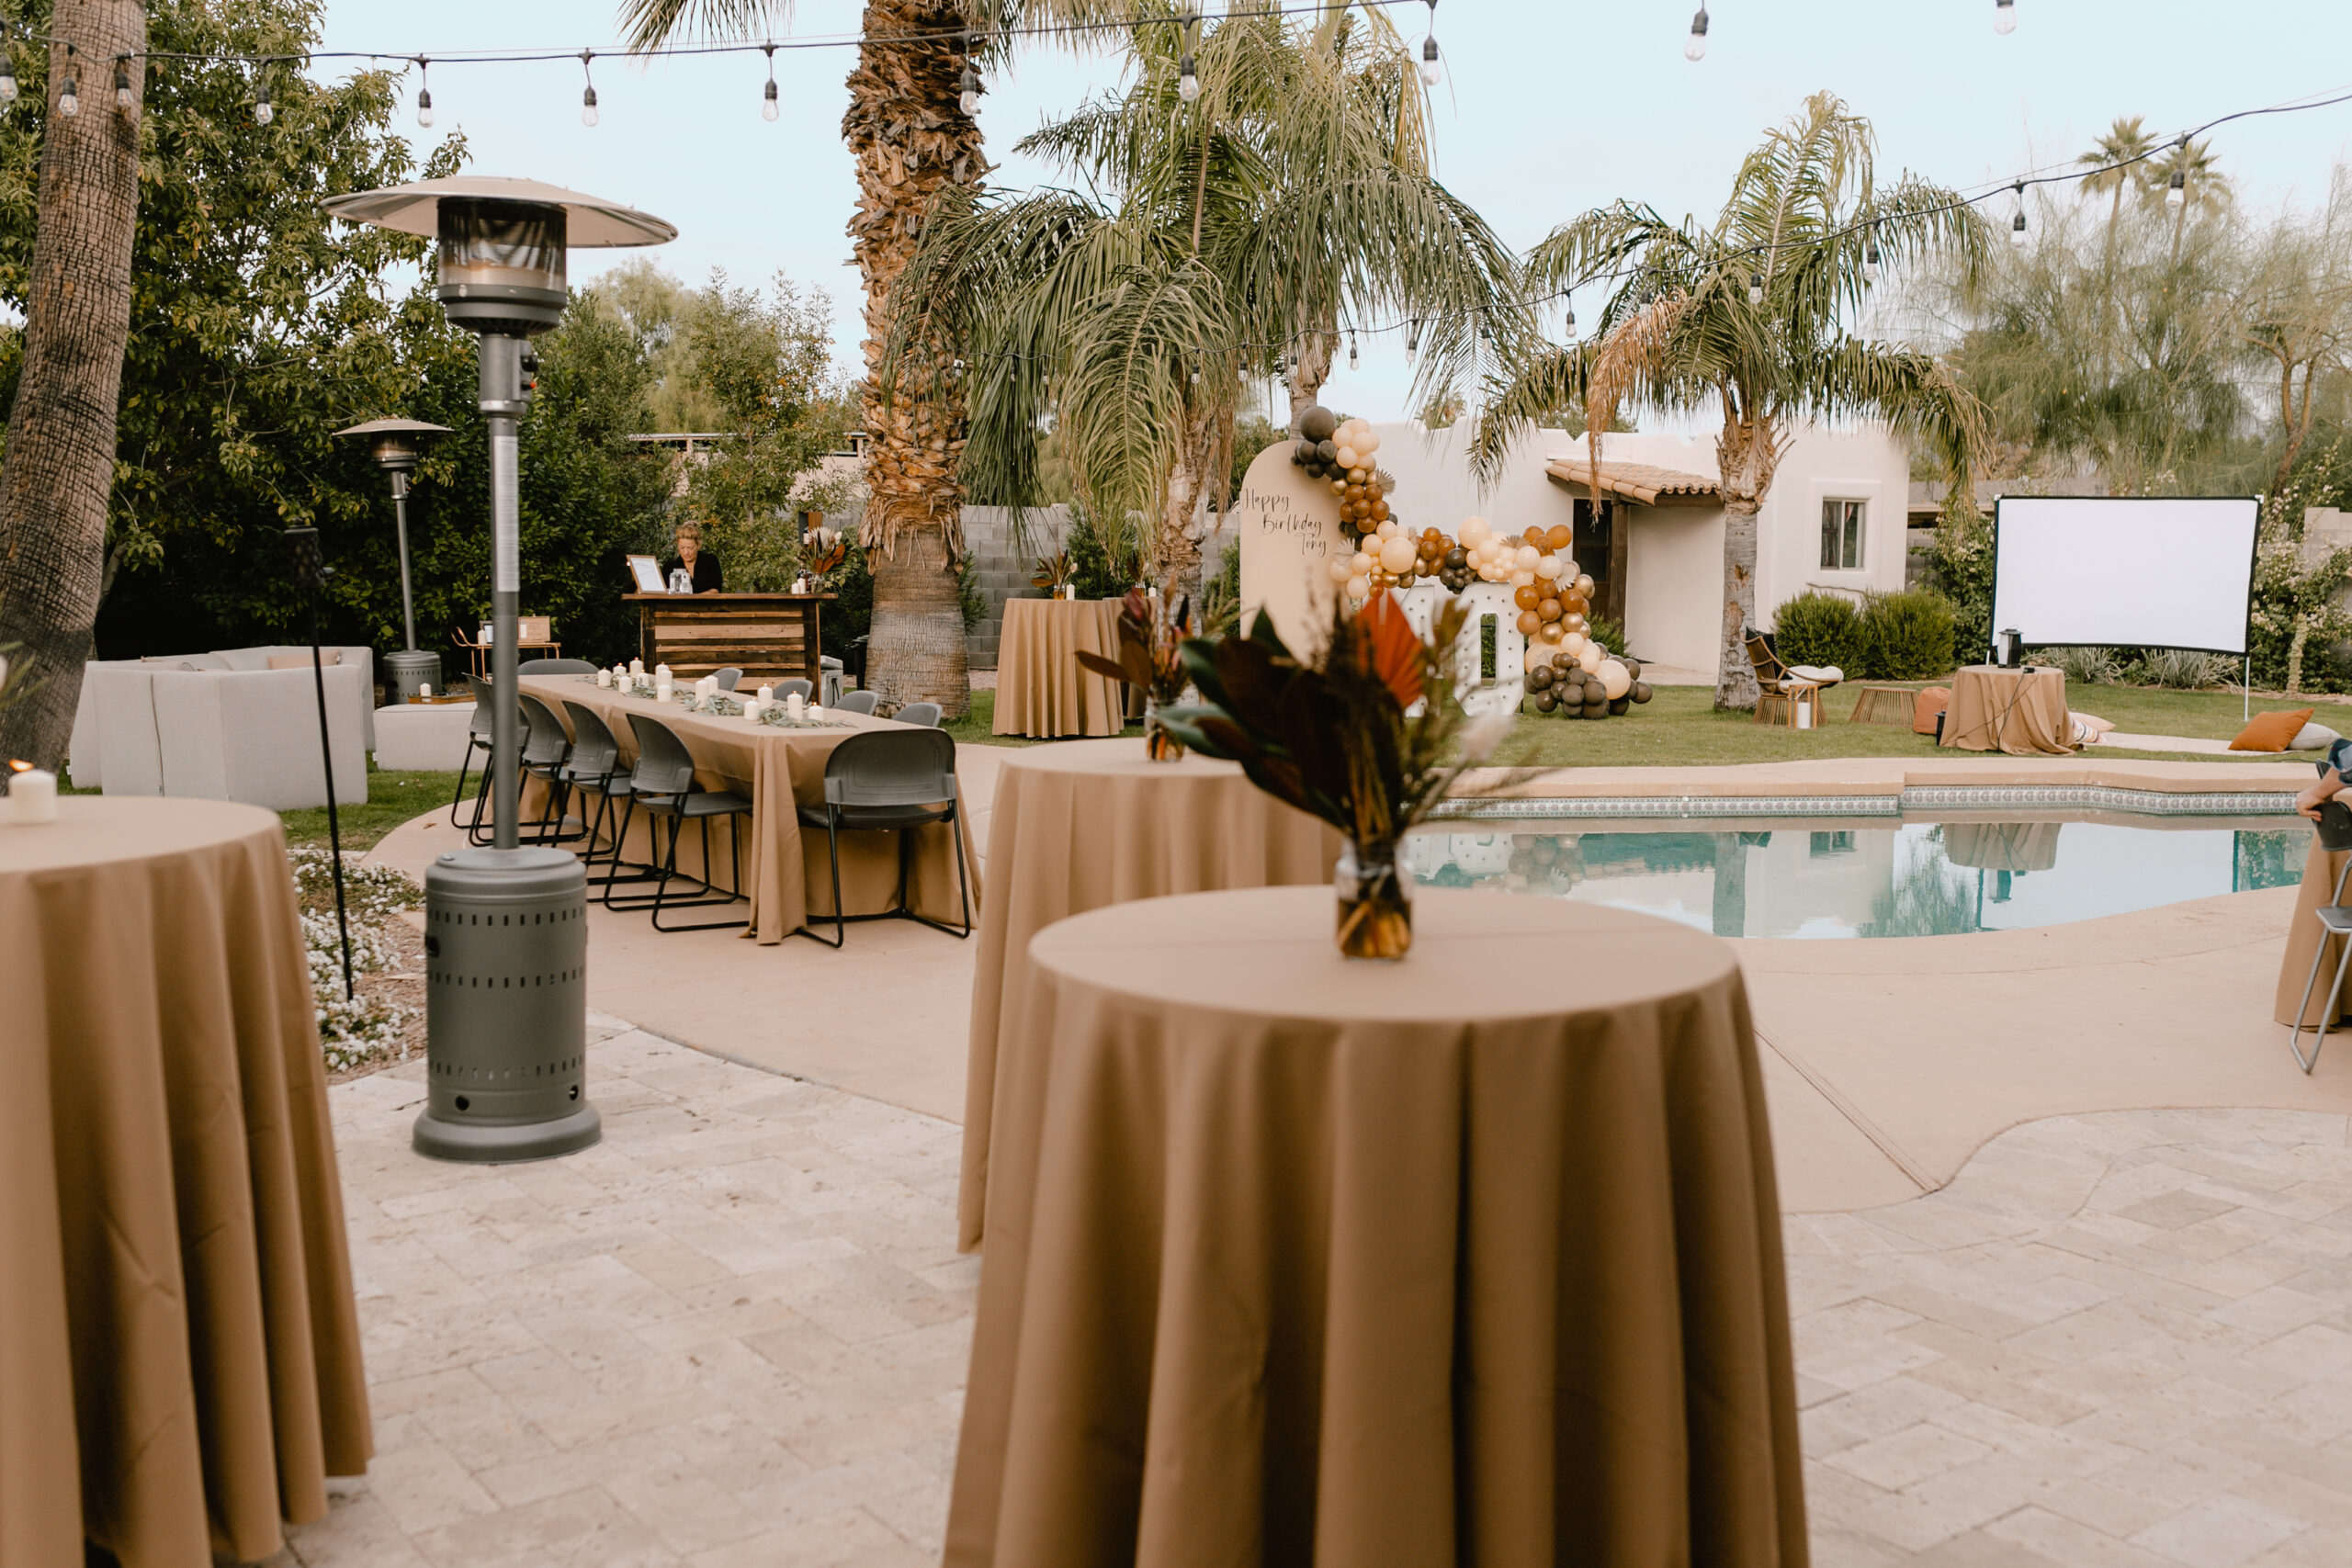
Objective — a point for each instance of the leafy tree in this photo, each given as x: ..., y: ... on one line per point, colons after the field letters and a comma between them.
x: 1748, y: 320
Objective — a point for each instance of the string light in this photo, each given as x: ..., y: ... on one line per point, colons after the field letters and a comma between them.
x: 264, y: 110
x: 424, y: 93
x: 2005, y: 17
x: 69, y: 97
x: 1188, y: 83
x: 1354, y: 363
x: 1869, y: 257
x: 2017, y: 224
x: 2177, y: 189
x: 1413, y: 339
x: 122, y: 80
x: 1571, y: 323
x: 1429, y: 51
x: 1695, y: 46
x: 588, y: 116
x: 769, y: 107
x: 1755, y: 289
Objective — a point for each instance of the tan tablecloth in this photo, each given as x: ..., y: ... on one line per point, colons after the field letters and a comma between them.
x: 1073, y: 828
x: 1040, y: 690
x: 2303, y: 939
x: 2017, y: 711
x: 778, y: 770
x: 179, y: 1353
x: 1471, y: 1259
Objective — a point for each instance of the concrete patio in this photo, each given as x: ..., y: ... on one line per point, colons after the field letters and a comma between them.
x: 2068, y: 1234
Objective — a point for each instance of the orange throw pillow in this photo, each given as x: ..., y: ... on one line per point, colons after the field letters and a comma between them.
x: 2271, y: 731
x: 1925, y: 706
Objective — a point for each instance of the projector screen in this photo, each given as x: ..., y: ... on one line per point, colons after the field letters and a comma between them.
x: 2109, y: 571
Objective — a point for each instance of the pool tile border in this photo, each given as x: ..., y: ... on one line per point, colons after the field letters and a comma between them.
x: 1915, y: 798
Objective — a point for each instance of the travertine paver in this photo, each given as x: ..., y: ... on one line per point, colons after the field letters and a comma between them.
x: 735, y: 1333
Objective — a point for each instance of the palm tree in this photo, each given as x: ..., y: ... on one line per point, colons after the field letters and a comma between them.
x: 912, y: 142
x: 55, y: 487
x: 1210, y: 237
x: 2205, y: 193
x: 2120, y: 162
x: 1748, y: 317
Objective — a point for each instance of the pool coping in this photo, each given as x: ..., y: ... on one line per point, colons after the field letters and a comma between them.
x: 1873, y: 787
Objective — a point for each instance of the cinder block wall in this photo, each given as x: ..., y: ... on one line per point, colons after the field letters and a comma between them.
x: 1003, y: 570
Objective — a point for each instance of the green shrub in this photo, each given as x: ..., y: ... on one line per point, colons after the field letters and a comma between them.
x: 2083, y: 666
x: 1606, y: 633
x: 1819, y: 628
x: 1092, y: 571
x: 1906, y: 637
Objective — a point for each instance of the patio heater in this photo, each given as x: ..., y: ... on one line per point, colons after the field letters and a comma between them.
x: 395, y: 444
x: 506, y: 928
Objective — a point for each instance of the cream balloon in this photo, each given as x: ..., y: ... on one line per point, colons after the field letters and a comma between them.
x: 1389, y: 528
x: 1591, y: 658
x: 1361, y: 564
x: 1349, y: 457
x: 1527, y: 556
x: 1572, y: 643
x: 1615, y: 679
x: 1367, y: 442
x: 1359, y: 588
x: 1472, y: 532
x: 1396, y: 556
x: 1547, y: 567
x: 1521, y: 578
x: 1343, y: 568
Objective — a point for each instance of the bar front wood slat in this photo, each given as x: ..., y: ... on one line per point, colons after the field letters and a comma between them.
x: 769, y: 637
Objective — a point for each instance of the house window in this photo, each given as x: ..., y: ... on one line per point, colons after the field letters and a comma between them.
x: 1841, y: 534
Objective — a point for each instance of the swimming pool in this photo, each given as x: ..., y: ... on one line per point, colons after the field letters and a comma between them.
x: 1872, y: 877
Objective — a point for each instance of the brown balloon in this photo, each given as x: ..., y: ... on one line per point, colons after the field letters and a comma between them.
x: 1528, y: 623
x: 1527, y: 598
x: 1549, y: 609
x: 1559, y: 536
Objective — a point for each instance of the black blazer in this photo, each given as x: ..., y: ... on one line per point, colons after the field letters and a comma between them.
x: 708, y: 579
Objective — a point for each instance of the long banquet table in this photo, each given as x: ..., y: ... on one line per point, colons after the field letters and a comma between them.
x: 788, y: 875
x: 1472, y: 1258
x: 179, y: 1351
x: 1075, y: 827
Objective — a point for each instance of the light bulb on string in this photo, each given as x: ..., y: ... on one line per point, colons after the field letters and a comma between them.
x: 69, y: 97
x: 1429, y: 51
x: 424, y: 93
x: 769, y: 107
x: 588, y: 116
x: 122, y: 80
x: 1412, y: 339
x: 1695, y: 46
x: 264, y: 110
x: 1755, y: 289
x: 1869, y: 257
x: 2016, y: 223
x: 1570, y: 325
x: 1188, y: 84
x: 2005, y: 17
x: 2177, y: 189
x: 1354, y: 362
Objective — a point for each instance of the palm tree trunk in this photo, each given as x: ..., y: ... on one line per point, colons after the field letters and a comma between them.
x: 1304, y: 379
x: 59, y: 472
x: 1735, y: 672
x: 911, y: 139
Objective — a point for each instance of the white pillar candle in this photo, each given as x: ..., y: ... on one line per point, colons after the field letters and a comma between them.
x: 605, y: 678
x: 816, y: 713
x: 425, y: 688
x: 793, y: 706
x: 32, y: 797
x: 766, y: 695
x: 751, y: 707
x: 662, y: 672
x: 637, y: 666
x: 661, y: 690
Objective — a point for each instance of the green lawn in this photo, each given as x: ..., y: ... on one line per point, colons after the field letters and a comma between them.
x: 392, y: 799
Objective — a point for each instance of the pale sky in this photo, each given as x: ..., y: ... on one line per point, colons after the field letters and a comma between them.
x: 1547, y: 107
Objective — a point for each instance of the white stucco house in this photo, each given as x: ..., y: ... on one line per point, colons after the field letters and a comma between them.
x: 1834, y: 519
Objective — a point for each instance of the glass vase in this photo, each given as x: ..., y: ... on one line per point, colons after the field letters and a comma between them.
x: 1376, y: 896
x: 1159, y: 744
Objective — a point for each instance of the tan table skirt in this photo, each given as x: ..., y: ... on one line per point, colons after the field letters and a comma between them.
x: 2321, y: 869
x: 2015, y: 711
x: 1040, y: 689
x: 1075, y: 827
x: 787, y: 865
x: 1475, y: 1258
x: 179, y: 1352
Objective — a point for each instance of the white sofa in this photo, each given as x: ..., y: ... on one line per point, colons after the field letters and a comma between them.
x: 224, y: 725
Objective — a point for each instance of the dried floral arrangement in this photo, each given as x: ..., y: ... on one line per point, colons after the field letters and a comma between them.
x: 1151, y: 658
x: 1053, y: 572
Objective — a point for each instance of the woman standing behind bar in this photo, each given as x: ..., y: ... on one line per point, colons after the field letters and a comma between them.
x: 701, y: 567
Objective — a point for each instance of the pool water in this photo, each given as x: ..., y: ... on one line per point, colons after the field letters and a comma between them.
x: 1874, y: 877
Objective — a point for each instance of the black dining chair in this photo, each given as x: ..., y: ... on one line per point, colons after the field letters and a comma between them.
x: 546, y: 749
x: 555, y: 666
x: 594, y: 770
x: 856, y: 702
x: 662, y: 783
x: 477, y: 739
x: 890, y: 781
x: 925, y: 714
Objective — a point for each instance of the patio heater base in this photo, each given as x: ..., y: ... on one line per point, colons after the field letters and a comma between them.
x: 507, y: 1007
x: 408, y: 672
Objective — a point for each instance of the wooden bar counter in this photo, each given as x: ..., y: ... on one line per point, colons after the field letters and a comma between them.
x: 769, y: 637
